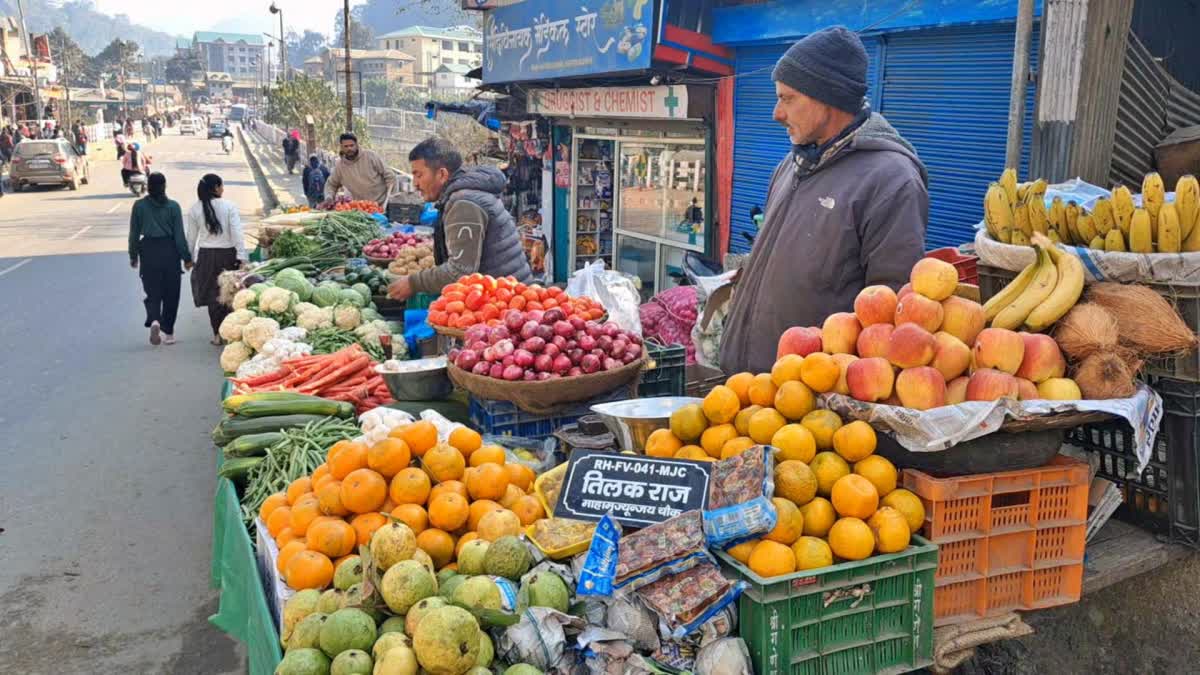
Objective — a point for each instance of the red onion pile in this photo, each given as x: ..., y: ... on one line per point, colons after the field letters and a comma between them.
x: 389, y: 246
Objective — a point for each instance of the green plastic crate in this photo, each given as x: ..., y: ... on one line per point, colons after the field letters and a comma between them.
x: 419, y: 301
x: 819, y: 622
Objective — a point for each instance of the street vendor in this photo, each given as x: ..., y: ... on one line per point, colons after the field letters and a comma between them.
x: 473, y: 232
x: 362, y: 172
x: 845, y: 209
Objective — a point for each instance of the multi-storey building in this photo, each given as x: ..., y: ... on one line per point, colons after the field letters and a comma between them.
x: 434, y: 47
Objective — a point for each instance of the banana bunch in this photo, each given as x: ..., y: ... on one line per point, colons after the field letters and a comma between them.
x: 1012, y: 212
x: 1041, y: 294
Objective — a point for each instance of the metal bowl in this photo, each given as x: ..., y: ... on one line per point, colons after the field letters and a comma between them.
x: 632, y: 421
x: 421, y: 380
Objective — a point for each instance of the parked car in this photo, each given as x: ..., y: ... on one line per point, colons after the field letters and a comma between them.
x: 50, y: 162
x: 216, y: 130
x: 189, y: 125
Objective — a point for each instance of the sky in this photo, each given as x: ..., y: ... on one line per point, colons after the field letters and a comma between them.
x: 242, y: 16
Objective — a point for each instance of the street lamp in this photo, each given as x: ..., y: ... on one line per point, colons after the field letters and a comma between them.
x: 282, y: 43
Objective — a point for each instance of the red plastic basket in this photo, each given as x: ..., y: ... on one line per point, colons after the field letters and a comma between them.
x: 967, y: 265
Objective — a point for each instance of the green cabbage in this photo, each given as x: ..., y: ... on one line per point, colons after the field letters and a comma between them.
x: 350, y: 296
x: 325, y: 296
x: 364, y: 291
x: 298, y: 285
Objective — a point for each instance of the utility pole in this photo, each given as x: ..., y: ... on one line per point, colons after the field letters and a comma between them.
x: 67, y: 83
x: 124, y: 100
x: 349, y: 87
x: 37, y: 92
x: 1020, y: 78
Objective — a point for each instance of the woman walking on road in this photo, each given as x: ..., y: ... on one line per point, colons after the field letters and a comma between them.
x: 214, y: 233
x: 157, y: 244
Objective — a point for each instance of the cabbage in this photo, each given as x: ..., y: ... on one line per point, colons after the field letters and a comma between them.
x: 350, y: 296
x: 259, y: 288
x: 296, y: 284
x: 369, y: 314
x: 326, y: 296
x: 364, y: 291
x: 288, y: 273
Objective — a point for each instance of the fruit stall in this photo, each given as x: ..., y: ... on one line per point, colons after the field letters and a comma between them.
x: 511, y: 478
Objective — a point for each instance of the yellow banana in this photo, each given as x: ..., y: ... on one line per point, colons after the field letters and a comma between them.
x: 1067, y: 289
x: 1072, y: 217
x: 1021, y: 220
x: 1010, y: 292
x: 1097, y: 243
x: 1058, y: 219
x: 1039, y: 288
x: 1122, y: 201
x: 1022, y: 191
x: 1114, y: 242
x: 1019, y: 238
x: 997, y: 213
x: 1169, y: 236
x: 1037, y: 188
x: 1087, y: 231
x: 1191, y: 243
x: 1141, y: 239
x: 1039, y: 220
x: 1052, y: 234
x: 1102, y: 216
x: 1187, y: 203
x: 1153, y: 194
x: 1008, y: 181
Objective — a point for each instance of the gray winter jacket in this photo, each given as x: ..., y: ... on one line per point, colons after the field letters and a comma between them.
x: 853, y: 219
x: 474, y: 232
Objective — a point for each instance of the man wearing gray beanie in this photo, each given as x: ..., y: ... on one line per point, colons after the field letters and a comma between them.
x: 845, y: 209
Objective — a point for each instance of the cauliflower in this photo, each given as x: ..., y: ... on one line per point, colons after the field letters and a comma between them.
x: 321, y: 317
x: 303, y: 307
x: 346, y: 317
x: 293, y: 333
x: 258, y: 330
x: 276, y: 300
x: 244, y: 298
x: 370, y: 331
x: 231, y: 327
x: 234, y: 354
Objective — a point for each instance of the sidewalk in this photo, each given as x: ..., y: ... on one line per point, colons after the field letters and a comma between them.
x: 282, y: 189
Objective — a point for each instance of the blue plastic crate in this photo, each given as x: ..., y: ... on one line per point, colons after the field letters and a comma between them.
x: 668, y: 376
x: 502, y: 418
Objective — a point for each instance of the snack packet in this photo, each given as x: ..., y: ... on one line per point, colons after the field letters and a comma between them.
x: 739, y: 497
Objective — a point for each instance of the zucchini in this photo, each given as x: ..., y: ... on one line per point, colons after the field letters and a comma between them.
x: 252, y: 444
x: 314, y: 406
x: 232, y: 403
x: 238, y: 468
x: 233, y: 427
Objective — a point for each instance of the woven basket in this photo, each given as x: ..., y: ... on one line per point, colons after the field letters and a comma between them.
x: 458, y: 333
x: 549, y: 396
x: 379, y: 262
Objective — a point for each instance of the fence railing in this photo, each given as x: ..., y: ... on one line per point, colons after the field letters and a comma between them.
x: 274, y: 136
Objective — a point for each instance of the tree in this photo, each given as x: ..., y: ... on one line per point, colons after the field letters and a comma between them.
x: 303, y: 47
x: 179, y: 70
x: 361, y: 35
x: 292, y: 102
x: 75, y: 68
x: 118, y: 53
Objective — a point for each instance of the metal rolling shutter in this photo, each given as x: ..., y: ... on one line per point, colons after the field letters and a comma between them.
x: 760, y: 142
x: 947, y: 92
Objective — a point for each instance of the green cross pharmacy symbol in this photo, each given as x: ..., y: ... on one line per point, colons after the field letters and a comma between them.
x: 671, y: 101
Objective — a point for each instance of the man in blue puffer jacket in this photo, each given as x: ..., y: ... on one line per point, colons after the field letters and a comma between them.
x: 473, y: 233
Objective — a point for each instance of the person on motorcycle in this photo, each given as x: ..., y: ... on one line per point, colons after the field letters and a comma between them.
x: 134, y: 162
x: 291, y: 150
x: 227, y: 141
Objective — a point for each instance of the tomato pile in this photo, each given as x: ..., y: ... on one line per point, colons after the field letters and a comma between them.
x: 477, y: 298
x: 364, y: 205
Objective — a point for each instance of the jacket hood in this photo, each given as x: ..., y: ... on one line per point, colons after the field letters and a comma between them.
x: 879, y: 135
x: 483, y: 178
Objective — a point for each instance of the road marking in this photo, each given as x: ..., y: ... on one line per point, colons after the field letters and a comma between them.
x: 115, y: 207
x: 20, y: 264
x: 85, y: 228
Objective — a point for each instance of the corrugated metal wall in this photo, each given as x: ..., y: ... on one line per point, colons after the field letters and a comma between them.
x: 760, y: 142
x: 1168, y: 28
x: 1141, y: 115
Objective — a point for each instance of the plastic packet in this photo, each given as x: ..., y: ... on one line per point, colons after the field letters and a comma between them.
x: 535, y: 454
x: 685, y: 601
x: 727, y: 656
x: 669, y: 547
x: 599, y: 566
x: 720, y: 625
x: 680, y: 655
x: 615, y: 291
x: 739, y: 497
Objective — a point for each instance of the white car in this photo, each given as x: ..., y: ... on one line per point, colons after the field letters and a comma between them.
x: 188, y: 125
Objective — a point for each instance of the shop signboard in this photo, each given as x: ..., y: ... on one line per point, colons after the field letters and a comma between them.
x: 636, y: 490
x: 664, y: 102
x: 546, y: 39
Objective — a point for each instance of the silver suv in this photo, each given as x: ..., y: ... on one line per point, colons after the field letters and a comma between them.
x: 49, y: 162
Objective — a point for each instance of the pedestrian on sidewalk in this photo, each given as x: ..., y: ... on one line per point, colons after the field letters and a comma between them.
x: 361, y: 172
x: 157, y: 244
x: 119, y: 141
x: 214, y: 235
x: 313, y: 180
x: 291, y: 150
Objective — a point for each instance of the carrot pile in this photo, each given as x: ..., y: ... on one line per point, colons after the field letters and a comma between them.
x: 345, y: 375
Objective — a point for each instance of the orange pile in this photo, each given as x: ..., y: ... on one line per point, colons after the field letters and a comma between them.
x: 477, y: 298
x: 447, y: 493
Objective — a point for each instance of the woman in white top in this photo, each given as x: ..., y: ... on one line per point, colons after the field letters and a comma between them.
x: 214, y: 235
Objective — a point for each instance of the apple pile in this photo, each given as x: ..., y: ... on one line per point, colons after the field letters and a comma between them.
x: 390, y: 246
x: 545, y: 345
x: 925, y: 347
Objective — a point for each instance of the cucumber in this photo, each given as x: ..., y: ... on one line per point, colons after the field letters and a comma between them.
x: 236, y: 401
x: 315, y: 406
x: 238, y: 468
x: 252, y: 444
x: 235, y: 427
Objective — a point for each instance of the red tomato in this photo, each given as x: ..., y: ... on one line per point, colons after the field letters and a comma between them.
x: 456, y: 307
x: 474, y: 300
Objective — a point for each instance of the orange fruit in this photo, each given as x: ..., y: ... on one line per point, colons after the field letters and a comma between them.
x: 511, y: 494
x: 854, y: 497
x: 463, y: 541
x: 279, y: 519
x: 438, y: 544
x: 820, y: 372
x: 794, y: 442
x: 321, y: 482
x: 270, y: 504
x: 444, y: 462
x: 823, y: 424
x: 498, y: 524
x: 795, y: 482
x: 819, y: 516
x: 319, y: 472
x: 908, y: 504
x: 812, y: 553
x: 329, y: 500
x: 528, y: 509
x: 448, y: 511
x: 489, y: 481
x: 410, y: 486
x: 364, y: 491
x: 714, y: 438
x: 771, y: 559
x: 388, y: 457
x: 286, y: 553
x: 492, y: 454
x: 297, y: 488
x: 520, y: 475
x: 334, y: 538
x: 851, y: 539
x: 688, y: 422
x: 456, y: 486
x: 854, y: 441
x: 736, y: 446
x: 794, y: 400
x: 742, y: 421
x: 881, y: 472
x: 662, y: 443
x: 336, y: 449
x: 721, y: 405
x: 890, y: 529
x: 742, y: 551
x: 352, y: 456
x: 828, y: 467
x: 420, y: 436
x: 304, y: 512
x: 786, y: 369
x: 740, y: 384
x: 695, y: 453
x: 308, y: 569
x: 480, y: 509
x: 467, y: 441
x: 286, y: 536
x: 388, y: 505
x: 365, y: 524
x: 765, y: 422
x: 789, y: 522
x: 412, y: 515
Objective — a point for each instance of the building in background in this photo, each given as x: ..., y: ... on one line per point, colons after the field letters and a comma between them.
x: 16, y: 69
x: 451, y: 78
x: 241, y: 56
x: 434, y: 47
x: 391, y: 65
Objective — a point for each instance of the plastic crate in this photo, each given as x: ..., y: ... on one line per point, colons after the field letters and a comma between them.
x: 667, y: 376
x: 819, y: 622
x: 965, y: 264
x: 1007, y: 540
x: 1186, y: 300
x: 502, y: 418
x: 419, y: 301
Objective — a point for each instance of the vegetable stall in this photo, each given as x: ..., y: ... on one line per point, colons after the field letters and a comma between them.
x: 510, y: 479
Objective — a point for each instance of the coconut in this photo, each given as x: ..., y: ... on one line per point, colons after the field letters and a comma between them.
x: 1085, y: 330
x: 1148, y: 323
x: 1103, y: 376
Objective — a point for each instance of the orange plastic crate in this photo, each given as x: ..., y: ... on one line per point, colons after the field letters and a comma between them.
x: 1008, y: 540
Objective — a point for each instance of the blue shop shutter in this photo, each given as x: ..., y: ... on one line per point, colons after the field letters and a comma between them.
x: 947, y: 91
x: 759, y: 141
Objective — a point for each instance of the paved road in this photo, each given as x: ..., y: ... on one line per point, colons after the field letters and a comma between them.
x: 107, y: 481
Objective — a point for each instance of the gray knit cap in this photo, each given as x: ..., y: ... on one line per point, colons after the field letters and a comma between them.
x: 829, y: 66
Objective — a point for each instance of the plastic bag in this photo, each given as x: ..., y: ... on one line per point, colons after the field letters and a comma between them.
x: 739, y: 497
x: 713, y: 295
x: 634, y: 620
x: 539, y: 639
x: 670, y: 316
x: 599, y: 566
x: 727, y: 656
x: 662, y: 549
x: 614, y: 290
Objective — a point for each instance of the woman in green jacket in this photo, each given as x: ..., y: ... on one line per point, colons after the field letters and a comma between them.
x: 157, y: 244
